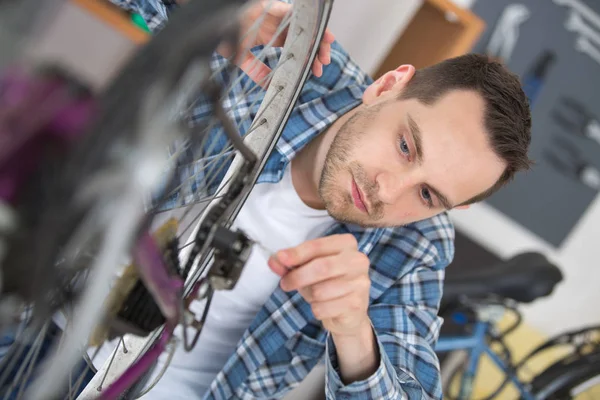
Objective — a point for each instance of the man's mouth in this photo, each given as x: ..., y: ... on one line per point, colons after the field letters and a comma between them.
x: 358, y: 198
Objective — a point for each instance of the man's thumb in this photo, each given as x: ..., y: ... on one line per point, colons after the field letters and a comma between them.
x: 255, y: 69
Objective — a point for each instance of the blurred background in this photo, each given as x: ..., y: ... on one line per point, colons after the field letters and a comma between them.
x: 554, y: 46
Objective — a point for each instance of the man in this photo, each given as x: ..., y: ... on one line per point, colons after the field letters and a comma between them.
x: 354, y: 200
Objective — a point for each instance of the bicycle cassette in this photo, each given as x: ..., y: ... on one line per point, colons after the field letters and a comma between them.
x: 130, y: 306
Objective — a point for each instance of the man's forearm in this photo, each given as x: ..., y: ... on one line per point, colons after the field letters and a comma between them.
x: 357, y: 355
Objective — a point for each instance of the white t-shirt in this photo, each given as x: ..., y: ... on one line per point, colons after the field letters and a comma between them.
x: 274, y: 215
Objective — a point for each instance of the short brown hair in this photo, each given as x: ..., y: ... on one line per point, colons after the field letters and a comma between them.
x: 507, y: 116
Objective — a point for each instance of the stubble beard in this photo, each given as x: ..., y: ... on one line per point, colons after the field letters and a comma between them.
x: 337, y: 198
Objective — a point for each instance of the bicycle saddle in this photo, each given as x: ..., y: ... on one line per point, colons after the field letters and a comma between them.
x: 523, y: 278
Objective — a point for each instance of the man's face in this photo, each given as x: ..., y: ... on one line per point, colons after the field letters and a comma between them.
x: 399, y: 161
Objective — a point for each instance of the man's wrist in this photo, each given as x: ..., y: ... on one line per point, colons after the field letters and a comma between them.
x: 357, y: 353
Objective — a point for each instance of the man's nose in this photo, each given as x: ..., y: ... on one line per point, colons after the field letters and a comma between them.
x: 393, y: 185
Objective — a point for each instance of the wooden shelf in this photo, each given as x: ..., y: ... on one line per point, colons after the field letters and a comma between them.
x: 115, y: 17
x: 438, y: 31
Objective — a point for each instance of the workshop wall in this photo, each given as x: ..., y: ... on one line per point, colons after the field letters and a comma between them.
x: 522, y: 218
x: 564, y: 87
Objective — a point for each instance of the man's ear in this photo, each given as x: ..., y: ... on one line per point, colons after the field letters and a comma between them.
x: 394, y: 80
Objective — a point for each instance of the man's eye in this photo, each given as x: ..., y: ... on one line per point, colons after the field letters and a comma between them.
x: 426, y: 195
x: 403, y: 146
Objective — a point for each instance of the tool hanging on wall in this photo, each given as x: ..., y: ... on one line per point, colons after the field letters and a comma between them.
x: 588, y: 40
x: 583, y: 9
x: 535, y: 76
x: 585, y: 46
x: 576, y: 119
x: 567, y: 159
x: 575, y: 23
x: 505, y: 35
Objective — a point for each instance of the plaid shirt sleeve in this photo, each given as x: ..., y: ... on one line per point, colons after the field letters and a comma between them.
x: 406, y: 327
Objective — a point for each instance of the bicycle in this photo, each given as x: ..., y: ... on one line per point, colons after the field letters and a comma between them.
x: 93, y: 156
x: 476, y: 301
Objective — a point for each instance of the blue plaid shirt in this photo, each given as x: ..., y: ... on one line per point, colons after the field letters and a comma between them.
x: 285, y: 341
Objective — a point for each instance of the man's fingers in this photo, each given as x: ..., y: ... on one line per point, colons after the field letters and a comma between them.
x: 347, y: 264
x: 315, y: 271
x: 273, y: 7
x: 325, y: 53
x: 277, y: 267
x: 317, y: 68
x: 329, y: 290
x: 255, y: 69
x: 328, y: 36
x: 323, y: 58
x: 320, y: 247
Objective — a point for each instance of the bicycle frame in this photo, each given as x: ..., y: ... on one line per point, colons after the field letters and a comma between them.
x: 476, y: 345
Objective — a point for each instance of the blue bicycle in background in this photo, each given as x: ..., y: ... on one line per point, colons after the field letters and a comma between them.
x: 476, y: 301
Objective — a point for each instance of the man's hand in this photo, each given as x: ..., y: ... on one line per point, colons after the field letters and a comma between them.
x: 333, y: 276
x: 265, y: 34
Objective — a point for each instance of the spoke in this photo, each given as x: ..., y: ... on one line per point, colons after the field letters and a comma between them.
x: 31, y: 357
x: 253, y: 104
x: 219, y: 167
x: 112, y: 358
x: 202, y: 144
x: 257, y: 23
x: 14, y: 354
x: 212, y: 159
x: 89, y: 364
x: 259, y: 116
x: 199, y: 214
x: 188, y: 244
x: 228, y: 60
x: 245, y: 94
x: 190, y: 206
x: 162, y: 371
x: 285, y: 23
x: 90, y: 360
x: 210, y: 163
x: 253, y: 28
x: 216, y: 157
x: 206, y: 185
x: 282, y: 26
x: 206, y: 134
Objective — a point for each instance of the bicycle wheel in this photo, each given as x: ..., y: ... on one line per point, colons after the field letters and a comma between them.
x: 173, y: 66
x: 575, y: 376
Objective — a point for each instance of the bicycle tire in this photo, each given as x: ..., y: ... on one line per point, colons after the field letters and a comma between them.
x: 90, y: 156
x: 562, y: 379
x: 121, y: 109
